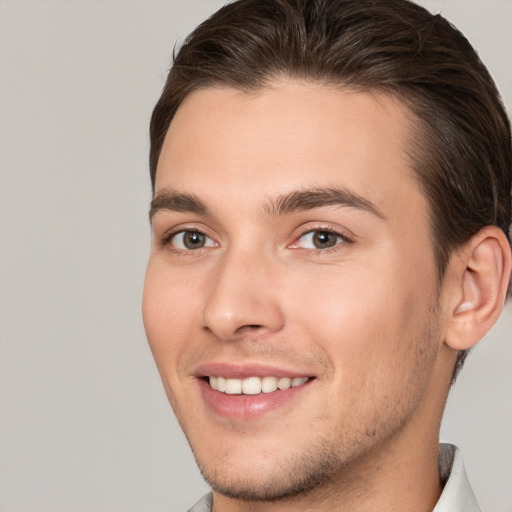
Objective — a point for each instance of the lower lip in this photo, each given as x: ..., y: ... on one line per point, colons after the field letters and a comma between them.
x: 246, y: 407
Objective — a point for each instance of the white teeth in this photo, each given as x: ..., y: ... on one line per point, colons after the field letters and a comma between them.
x: 251, y: 386
x: 298, y: 381
x: 268, y: 384
x: 221, y: 384
x: 233, y: 386
x: 254, y: 385
x: 284, y: 383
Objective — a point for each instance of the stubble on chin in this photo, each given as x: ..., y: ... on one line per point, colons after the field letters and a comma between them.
x: 297, y: 475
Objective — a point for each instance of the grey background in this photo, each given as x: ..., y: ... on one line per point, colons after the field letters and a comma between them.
x: 84, y: 423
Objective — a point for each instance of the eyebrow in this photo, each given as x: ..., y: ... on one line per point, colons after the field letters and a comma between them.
x: 311, y: 198
x: 177, y: 202
x: 298, y: 200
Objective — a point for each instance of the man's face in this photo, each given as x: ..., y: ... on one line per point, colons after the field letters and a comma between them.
x: 291, y: 241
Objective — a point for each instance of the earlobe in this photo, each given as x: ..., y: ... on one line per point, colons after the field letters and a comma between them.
x: 483, y: 269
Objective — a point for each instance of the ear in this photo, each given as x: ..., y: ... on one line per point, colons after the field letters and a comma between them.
x: 479, y: 279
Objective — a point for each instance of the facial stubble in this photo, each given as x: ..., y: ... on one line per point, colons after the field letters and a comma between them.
x: 326, y: 460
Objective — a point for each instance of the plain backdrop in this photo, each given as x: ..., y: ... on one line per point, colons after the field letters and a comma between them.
x: 84, y: 423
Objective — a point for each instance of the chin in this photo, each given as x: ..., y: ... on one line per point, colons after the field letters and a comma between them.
x: 283, y: 477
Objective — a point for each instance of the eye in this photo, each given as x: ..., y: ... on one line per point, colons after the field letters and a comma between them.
x: 319, y: 239
x: 189, y: 240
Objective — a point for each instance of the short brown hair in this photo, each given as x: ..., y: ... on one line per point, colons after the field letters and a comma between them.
x: 463, y: 157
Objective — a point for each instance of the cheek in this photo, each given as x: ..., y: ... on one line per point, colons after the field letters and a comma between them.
x: 167, y: 308
x: 379, y: 345
x: 366, y: 321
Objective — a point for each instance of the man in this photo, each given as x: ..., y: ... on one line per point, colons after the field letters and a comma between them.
x: 331, y: 218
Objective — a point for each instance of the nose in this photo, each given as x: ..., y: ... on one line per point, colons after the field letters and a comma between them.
x: 243, y: 298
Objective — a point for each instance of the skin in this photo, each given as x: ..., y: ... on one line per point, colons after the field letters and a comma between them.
x: 365, y: 318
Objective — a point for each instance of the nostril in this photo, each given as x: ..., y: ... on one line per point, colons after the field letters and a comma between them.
x: 249, y: 328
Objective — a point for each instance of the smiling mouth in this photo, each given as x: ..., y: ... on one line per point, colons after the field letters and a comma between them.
x: 254, y: 385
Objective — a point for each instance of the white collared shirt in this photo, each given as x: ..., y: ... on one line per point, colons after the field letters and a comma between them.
x: 457, y: 495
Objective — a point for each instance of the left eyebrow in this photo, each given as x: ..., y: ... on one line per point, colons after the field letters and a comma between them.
x: 309, y: 199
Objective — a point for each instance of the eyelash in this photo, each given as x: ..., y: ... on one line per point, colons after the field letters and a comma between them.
x: 167, y: 238
x: 326, y: 250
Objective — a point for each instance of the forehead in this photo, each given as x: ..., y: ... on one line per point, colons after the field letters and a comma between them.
x: 223, y: 142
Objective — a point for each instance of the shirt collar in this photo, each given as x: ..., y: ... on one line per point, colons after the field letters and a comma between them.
x: 204, y: 504
x: 457, y: 495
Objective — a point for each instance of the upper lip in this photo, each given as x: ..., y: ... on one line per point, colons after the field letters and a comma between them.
x: 246, y: 370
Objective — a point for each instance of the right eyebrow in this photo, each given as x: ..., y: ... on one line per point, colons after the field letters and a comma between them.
x: 177, y: 202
